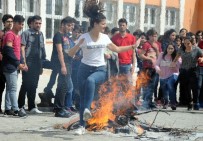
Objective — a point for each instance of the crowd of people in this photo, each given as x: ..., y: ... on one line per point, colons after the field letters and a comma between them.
x: 84, y: 60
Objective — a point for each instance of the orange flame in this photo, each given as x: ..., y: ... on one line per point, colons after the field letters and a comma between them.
x: 140, y: 130
x: 115, y: 97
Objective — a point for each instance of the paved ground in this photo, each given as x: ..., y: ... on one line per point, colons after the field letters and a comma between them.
x: 47, y: 127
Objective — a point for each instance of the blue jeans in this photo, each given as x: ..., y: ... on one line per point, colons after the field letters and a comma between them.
x: 11, y: 90
x: 89, y: 77
x: 52, y: 81
x: 168, y: 89
x: 148, y: 90
x: 124, y: 69
x: 69, y: 94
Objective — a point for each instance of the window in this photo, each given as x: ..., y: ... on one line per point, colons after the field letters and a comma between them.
x: 56, y: 25
x: 171, y: 19
x: 150, y: 20
x: 49, y: 6
x: 152, y: 16
x: 30, y: 6
x: 132, y: 13
x: 77, y: 8
x: 109, y: 11
x: 1, y: 27
x: 48, y: 28
x: 80, y: 16
x: 53, y: 17
x: 18, y: 5
x: 129, y: 13
x: 58, y: 7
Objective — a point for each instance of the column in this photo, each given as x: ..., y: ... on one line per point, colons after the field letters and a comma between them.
x: 119, y: 9
x: 69, y: 8
x: 162, y: 16
x: 142, y: 14
x: 9, y: 7
x: 182, y: 10
x: 42, y: 13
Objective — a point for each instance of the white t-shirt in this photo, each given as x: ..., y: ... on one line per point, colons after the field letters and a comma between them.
x: 93, y: 52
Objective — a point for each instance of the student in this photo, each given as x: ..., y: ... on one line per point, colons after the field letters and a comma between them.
x: 33, y: 52
x: 92, y: 70
x: 190, y: 56
x: 168, y: 75
x: 7, y: 20
x: 12, y: 61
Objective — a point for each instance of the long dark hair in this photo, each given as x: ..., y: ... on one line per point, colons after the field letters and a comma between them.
x: 168, y: 33
x: 94, y: 10
x: 173, y: 55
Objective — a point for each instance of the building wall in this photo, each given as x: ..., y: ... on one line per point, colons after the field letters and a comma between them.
x: 153, y: 2
x: 200, y: 14
x: 190, y: 15
x: 191, y: 18
x: 173, y: 3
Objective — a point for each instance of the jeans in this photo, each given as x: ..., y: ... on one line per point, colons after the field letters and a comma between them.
x: 88, y: 79
x: 69, y: 94
x: 29, y: 85
x: 51, y: 82
x: 2, y: 83
x: 63, y: 96
x: 168, y: 88
x: 124, y: 69
x: 148, y: 90
x: 11, y: 90
x: 200, y: 85
x: 156, y: 85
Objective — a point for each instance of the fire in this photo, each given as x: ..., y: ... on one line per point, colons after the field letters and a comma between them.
x: 139, y: 130
x: 116, y: 97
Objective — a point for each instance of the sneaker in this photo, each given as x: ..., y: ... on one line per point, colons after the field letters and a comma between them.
x: 63, y: 113
x: 35, y: 111
x: 189, y: 107
x: 165, y: 106
x: 173, y: 107
x: 80, y: 130
x: 22, y: 113
x: 8, y: 112
x: 73, y: 109
x: 196, y: 107
x: 87, y: 114
x: 142, y: 110
x: 19, y: 113
x: 70, y: 111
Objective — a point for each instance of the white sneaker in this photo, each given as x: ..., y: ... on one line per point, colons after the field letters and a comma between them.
x: 87, y: 114
x: 80, y: 130
x: 35, y: 111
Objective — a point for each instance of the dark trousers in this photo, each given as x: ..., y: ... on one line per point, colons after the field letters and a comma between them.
x: 200, y: 85
x: 2, y: 83
x: 188, y: 82
x: 29, y: 86
x: 51, y: 82
x: 182, y: 96
x: 63, y: 87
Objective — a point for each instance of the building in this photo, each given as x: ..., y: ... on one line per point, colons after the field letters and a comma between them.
x: 140, y: 14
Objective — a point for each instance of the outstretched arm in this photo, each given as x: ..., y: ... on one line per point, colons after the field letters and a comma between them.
x: 117, y: 49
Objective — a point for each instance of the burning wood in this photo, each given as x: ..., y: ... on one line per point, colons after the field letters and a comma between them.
x: 116, y: 97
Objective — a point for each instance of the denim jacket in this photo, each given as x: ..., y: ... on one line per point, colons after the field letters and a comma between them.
x: 28, y: 39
